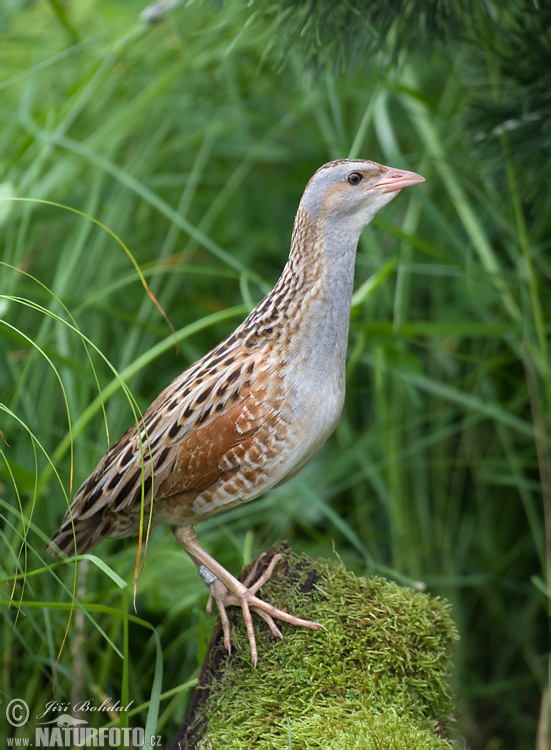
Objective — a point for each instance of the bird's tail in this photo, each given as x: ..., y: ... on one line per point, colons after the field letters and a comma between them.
x: 78, y: 535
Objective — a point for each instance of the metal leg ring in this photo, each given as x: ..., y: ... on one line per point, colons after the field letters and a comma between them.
x: 207, y: 576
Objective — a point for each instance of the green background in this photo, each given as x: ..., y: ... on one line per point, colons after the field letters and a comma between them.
x: 191, y: 141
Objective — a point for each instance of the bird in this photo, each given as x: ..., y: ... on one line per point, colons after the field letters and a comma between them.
x: 252, y: 412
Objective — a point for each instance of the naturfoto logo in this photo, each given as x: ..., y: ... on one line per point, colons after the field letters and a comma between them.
x: 65, y: 730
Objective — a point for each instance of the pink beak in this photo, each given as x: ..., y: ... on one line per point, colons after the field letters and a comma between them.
x: 396, y: 179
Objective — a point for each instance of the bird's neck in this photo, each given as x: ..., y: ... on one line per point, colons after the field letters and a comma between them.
x: 309, y: 307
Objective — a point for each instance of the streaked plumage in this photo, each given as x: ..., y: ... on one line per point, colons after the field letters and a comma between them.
x: 253, y: 411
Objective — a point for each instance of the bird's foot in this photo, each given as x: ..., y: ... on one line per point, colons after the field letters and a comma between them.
x: 237, y: 594
x: 227, y: 591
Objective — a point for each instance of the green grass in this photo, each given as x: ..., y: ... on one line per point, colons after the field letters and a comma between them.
x: 185, y: 142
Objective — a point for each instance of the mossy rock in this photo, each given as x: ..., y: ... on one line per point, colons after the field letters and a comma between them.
x: 377, y: 677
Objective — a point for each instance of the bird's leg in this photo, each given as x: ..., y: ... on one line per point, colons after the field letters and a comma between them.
x: 227, y: 591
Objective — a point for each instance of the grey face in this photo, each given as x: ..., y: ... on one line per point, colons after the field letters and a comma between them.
x: 353, y: 190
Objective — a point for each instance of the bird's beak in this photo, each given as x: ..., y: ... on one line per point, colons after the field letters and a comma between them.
x: 396, y: 179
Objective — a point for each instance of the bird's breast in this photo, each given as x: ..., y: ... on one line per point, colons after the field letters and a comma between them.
x: 312, y: 405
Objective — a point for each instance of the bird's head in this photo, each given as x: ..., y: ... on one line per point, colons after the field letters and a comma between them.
x: 349, y: 192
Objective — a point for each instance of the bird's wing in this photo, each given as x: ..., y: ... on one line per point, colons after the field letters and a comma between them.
x: 194, y: 432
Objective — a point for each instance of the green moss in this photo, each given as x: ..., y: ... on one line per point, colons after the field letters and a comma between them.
x: 377, y: 677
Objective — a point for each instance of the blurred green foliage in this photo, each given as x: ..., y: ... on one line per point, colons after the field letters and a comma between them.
x: 191, y: 140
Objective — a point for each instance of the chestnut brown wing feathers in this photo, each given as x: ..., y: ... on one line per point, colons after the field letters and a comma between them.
x: 187, y: 435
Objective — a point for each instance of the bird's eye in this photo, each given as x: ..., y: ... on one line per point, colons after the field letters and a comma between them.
x: 355, y: 178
